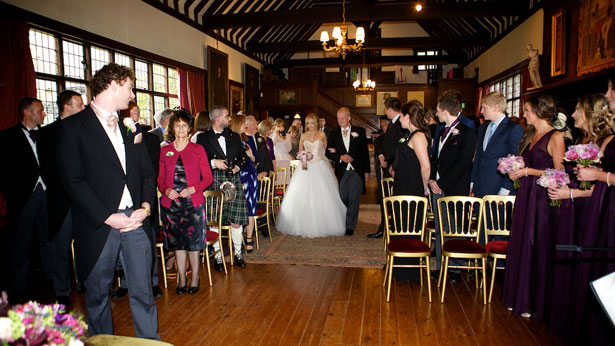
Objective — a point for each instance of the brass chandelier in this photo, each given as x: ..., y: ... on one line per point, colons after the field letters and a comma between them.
x: 340, y: 34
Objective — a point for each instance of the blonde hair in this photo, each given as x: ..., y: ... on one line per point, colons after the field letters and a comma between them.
x: 264, y: 126
x: 314, y: 117
x: 237, y: 122
x: 495, y: 99
x: 279, y: 121
x: 598, y: 116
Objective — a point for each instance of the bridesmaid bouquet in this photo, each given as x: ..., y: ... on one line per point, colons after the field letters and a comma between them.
x: 304, y: 157
x: 35, y: 324
x: 511, y: 163
x: 584, y: 155
x: 552, y: 179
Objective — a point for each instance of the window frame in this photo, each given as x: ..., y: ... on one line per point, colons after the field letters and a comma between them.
x: 514, y: 101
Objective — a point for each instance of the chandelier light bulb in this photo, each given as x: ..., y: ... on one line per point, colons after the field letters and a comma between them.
x: 324, y: 36
x: 418, y: 7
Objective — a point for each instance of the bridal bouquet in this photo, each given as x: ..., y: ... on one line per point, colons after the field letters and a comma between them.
x: 304, y: 157
x: 552, y: 179
x: 584, y: 155
x: 35, y: 324
x: 511, y: 163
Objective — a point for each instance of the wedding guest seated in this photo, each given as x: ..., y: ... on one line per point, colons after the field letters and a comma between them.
x: 202, y: 123
x: 184, y: 175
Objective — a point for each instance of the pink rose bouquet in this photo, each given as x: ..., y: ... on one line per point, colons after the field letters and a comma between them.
x: 552, y: 179
x: 511, y: 163
x: 584, y: 155
x: 304, y: 157
x: 35, y: 324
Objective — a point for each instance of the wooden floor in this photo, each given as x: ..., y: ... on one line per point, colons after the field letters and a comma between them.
x: 310, y: 305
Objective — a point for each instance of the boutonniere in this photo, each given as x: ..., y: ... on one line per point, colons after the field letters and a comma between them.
x: 130, y: 125
x: 401, y: 140
x: 354, y: 134
x: 454, y: 132
x: 170, y: 153
x: 260, y: 140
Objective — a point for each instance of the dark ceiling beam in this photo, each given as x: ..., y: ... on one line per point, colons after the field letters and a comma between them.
x: 378, y: 43
x: 363, y: 13
x: 357, y: 61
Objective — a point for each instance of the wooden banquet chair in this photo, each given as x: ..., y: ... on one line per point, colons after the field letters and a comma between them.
x: 386, y: 188
x: 458, y: 212
x: 405, y: 216
x: 214, y: 202
x: 263, y: 201
x: 279, y: 190
x: 497, y: 220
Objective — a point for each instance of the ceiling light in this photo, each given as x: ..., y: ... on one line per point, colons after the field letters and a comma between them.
x: 340, y: 35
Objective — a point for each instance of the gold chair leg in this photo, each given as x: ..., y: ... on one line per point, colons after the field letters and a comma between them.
x: 484, y: 282
x: 269, y: 230
x: 164, y: 265
x: 222, y: 255
x: 231, y: 249
x: 444, y: 283
x: 441, y: 270
x: 206, y: 256
x: 421, y: 270
x: 255, y: 235
x: 495, y: 264
x: 428, y: 278
x: 389, y: 278
x: 386, y: 271
x: 476, y: 273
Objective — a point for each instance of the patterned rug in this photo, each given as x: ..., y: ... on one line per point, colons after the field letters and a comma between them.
x: 353, y: 251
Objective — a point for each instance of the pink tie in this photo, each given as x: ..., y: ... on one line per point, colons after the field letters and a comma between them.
x: 112, y: 122
x: 345, y: 132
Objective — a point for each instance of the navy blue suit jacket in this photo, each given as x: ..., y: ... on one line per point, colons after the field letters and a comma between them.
x: 505, y: 140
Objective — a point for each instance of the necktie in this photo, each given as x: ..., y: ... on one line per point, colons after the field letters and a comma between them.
x: 389, y: 126
x: 112, y: 121
x: 32, y: 133
x: 491, y: 131
x: 345, y: 132
x: 218, y: 135
x: 444, y: 133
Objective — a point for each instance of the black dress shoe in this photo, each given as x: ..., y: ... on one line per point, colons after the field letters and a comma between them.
x: 157, y: 291
x: 239, y: 261
x: 378, y: 234
x: 349, y: 232
x: 454, y: 278
x: 120, y: 292
x: 218, y: 266
x: 180, y: 290
x: 64, y: 301
x: 194, y: 289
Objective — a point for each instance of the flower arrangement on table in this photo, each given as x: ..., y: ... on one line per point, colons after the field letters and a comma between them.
x: 36, y: 324
x: 511, y: 163
x: 551, y: 179
x: 304, y: 157
x: 585, y: 155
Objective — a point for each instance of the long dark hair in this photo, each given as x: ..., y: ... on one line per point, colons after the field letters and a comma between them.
x: 414, y: 109
x: 544, y: 108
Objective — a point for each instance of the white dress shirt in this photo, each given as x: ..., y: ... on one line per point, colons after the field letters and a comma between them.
x: 222, y: 142
x: 33, y: 146
x: 118, y: 145
x: 347, y: 143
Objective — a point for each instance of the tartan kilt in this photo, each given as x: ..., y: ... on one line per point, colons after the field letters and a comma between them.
x: 235, y: 211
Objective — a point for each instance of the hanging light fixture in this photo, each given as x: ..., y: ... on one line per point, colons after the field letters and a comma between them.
x: 361, y: 85
x: 340, y: 35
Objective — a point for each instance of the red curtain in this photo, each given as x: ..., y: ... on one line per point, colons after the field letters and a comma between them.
x: 192, y: 91
x: 17, y: 76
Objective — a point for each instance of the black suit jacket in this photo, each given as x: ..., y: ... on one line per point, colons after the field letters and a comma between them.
x: 389, y: 142
x: 94, y: 180
x: 357, y: 148
x: 235, y: 153
x: 504, y: 141
x: 454, y: 164
x: 58, y: 203
x: 264, y: 161
x: 158, y: 133
x: 21, y: 171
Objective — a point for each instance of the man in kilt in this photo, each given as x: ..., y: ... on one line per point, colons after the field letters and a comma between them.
x: 227, y: 158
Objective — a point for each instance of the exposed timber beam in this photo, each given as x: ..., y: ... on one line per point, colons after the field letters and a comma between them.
x: 363, y: 13
x: 357, y: 61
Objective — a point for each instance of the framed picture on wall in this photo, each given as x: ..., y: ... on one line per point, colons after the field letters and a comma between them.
x: 596, y: 36
x: 364, y: 100
x: 288, y: 97
x: 381, y: 96
x: 558, y: 44
x: 236, y: 102
x: 217, y: 77
x: 252, y: 90
x: 416, y: 95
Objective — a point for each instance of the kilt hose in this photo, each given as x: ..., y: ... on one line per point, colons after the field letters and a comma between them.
x: 235, y: 211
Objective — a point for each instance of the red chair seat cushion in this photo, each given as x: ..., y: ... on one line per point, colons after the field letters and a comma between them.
x: 463, y: 246
x: 279, y: 192
x: 212, y: 235
x: 408, y: 245
x: 498, y: 247
x: 260, y: 212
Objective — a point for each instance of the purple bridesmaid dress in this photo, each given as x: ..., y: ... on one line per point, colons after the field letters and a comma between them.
x: 527, y: 279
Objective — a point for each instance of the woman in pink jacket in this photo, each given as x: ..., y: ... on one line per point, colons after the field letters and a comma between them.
x: 184, y: 175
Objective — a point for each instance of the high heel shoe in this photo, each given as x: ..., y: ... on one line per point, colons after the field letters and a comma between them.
x: 194, y: 289
x: 250, y: 243
x: 181, y: 289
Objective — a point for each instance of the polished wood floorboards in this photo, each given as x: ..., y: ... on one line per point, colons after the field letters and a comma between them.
x: 311, y: 305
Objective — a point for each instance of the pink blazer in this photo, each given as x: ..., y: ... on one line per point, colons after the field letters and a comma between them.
x: 196, y: 164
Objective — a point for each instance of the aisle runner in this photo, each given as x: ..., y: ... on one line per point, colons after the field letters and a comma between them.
x: 355, y: 251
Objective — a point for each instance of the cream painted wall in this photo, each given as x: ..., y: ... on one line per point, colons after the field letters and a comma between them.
x: 510, y: 50
x: 138, y: 24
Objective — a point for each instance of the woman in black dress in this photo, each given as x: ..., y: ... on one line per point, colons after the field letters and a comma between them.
x: 411, y: 169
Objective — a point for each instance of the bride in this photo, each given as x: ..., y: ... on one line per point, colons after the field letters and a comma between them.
x: 312, y: 206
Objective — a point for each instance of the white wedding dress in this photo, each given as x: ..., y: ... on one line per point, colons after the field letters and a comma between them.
x: 312, y: 206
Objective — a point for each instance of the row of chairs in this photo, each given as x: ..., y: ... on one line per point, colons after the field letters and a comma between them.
x: 407, y: 234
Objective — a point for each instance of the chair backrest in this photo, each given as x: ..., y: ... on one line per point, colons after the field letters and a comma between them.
x: 387, y: 186
x: 497, y: 215
x: 457, y: 213
x: 214, y: 202
x: 405, y: 215
x: 281, y: 172
x: 264, y: 190
x: 293, y: 166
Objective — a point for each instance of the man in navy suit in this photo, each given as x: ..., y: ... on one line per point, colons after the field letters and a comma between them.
x: 497, y: 137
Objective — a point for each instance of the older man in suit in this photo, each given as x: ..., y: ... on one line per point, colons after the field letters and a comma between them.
x: 162, y: 120
x: 110, y: 181
x: 24, y: 191
x: 347, y: 148
x: 60, y: 218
